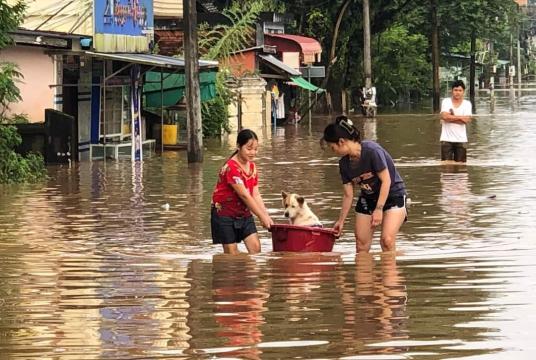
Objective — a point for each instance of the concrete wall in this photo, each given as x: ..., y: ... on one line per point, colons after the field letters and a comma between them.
x: 254, y: 105
x: 255, y: 110
x: 39, y: 72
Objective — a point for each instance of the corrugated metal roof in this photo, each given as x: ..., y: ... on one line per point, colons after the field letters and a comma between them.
x: 281, y: 65
x: 76, y: 16
x: 307, y: 44
x: 167, y: 8
x: 151, y: 59
x: 69, y: 16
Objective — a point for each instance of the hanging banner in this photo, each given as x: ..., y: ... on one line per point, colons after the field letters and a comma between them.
x: 135, y: 99
x: 123, y: 25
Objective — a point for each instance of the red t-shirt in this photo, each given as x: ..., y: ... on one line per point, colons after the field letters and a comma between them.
x: 225, y: 199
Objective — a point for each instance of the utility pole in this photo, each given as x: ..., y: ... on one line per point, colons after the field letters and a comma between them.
x: 193, y: 96
x: 435, y: 56
x: 370, y: 92
x: 511, y: 67
x: 492, y: 75
x: 367, y: 63
x: 519, y: 67
x: 472, y: 71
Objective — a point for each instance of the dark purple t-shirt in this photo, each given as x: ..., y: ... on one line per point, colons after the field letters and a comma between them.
x: 364, y: 171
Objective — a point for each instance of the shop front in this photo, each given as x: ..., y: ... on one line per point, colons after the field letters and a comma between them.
x: 121, y: 113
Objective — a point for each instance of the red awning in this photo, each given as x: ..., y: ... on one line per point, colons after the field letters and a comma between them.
x: 308, y: 47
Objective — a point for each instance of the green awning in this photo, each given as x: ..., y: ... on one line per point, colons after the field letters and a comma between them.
x: 301, y: 82
x: 174, y: 88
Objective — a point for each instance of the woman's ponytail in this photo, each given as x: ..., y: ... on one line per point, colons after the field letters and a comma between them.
x: 342, y: 128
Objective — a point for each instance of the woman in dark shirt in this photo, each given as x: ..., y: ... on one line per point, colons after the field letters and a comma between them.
x: 382, y: 199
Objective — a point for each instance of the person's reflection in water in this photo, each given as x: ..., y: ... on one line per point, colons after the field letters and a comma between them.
x: 369, y: 129
x: 239, y: 296
x: 376, y: 311
x: 454, y: 200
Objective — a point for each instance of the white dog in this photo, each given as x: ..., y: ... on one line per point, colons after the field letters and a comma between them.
x: 297, y: 210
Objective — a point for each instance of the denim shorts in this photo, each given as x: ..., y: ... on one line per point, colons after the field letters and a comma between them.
x: 366, y: 206
x: 230, y: 230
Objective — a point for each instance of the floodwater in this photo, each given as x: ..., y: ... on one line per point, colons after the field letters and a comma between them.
x: 93, y: 267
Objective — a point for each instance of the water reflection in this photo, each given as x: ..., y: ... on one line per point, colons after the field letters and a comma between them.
x: 238, y: 304
x: 454, y: 200
x: 375, y: 308
x: 369, y: 129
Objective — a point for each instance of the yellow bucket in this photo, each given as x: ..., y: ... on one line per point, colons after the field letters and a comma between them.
x: 170, y: 134
x: 126, y: 129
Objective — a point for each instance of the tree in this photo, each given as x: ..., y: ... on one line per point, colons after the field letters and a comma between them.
x: 475, y: 19
x: 402, y: 69
x: 337, y: 24
x: 9, y: 92
x: 434, y: 40
x: 10, y: 18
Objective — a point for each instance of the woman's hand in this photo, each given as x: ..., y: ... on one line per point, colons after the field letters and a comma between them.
x: 337, y: 228
x: 266, y: 222
x: 377, y: 217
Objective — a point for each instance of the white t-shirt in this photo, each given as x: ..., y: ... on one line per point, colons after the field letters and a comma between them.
x: 450, y: 131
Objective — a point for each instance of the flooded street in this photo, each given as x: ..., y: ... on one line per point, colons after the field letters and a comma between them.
x: 92, y: 266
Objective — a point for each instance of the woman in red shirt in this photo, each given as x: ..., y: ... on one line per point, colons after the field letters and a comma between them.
x: 236, y: 196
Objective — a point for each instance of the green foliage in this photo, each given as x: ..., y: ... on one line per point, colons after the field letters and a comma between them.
x: 488, y: 19
x: 9, y: 92
x: 318, y: 24
x: 10, y: 18
x: 215, y: 112
x: 15, y: 168
x: 222, y: 41
x: 219, y: 44
x: 267, y: 5
x: 401, y: 65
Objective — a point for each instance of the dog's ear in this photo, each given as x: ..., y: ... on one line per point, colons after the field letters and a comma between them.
x: 300, y: 200
x: 284, y: 194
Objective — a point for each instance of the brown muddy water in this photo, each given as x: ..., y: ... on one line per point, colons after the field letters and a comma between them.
x: 93, y: 267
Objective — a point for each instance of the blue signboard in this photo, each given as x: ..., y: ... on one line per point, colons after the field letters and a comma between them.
x: 123, y: 17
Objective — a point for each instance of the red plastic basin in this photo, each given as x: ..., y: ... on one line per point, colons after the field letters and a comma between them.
x: 302, y: 238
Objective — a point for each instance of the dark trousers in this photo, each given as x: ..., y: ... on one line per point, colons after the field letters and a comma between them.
x: 456, y: 151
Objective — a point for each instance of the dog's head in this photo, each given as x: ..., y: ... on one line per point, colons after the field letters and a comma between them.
x: 293, y: 204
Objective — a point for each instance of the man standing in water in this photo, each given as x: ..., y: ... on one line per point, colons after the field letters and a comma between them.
x: 455, y: 113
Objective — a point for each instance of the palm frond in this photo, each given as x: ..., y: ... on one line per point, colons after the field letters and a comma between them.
x: 223, y: 40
